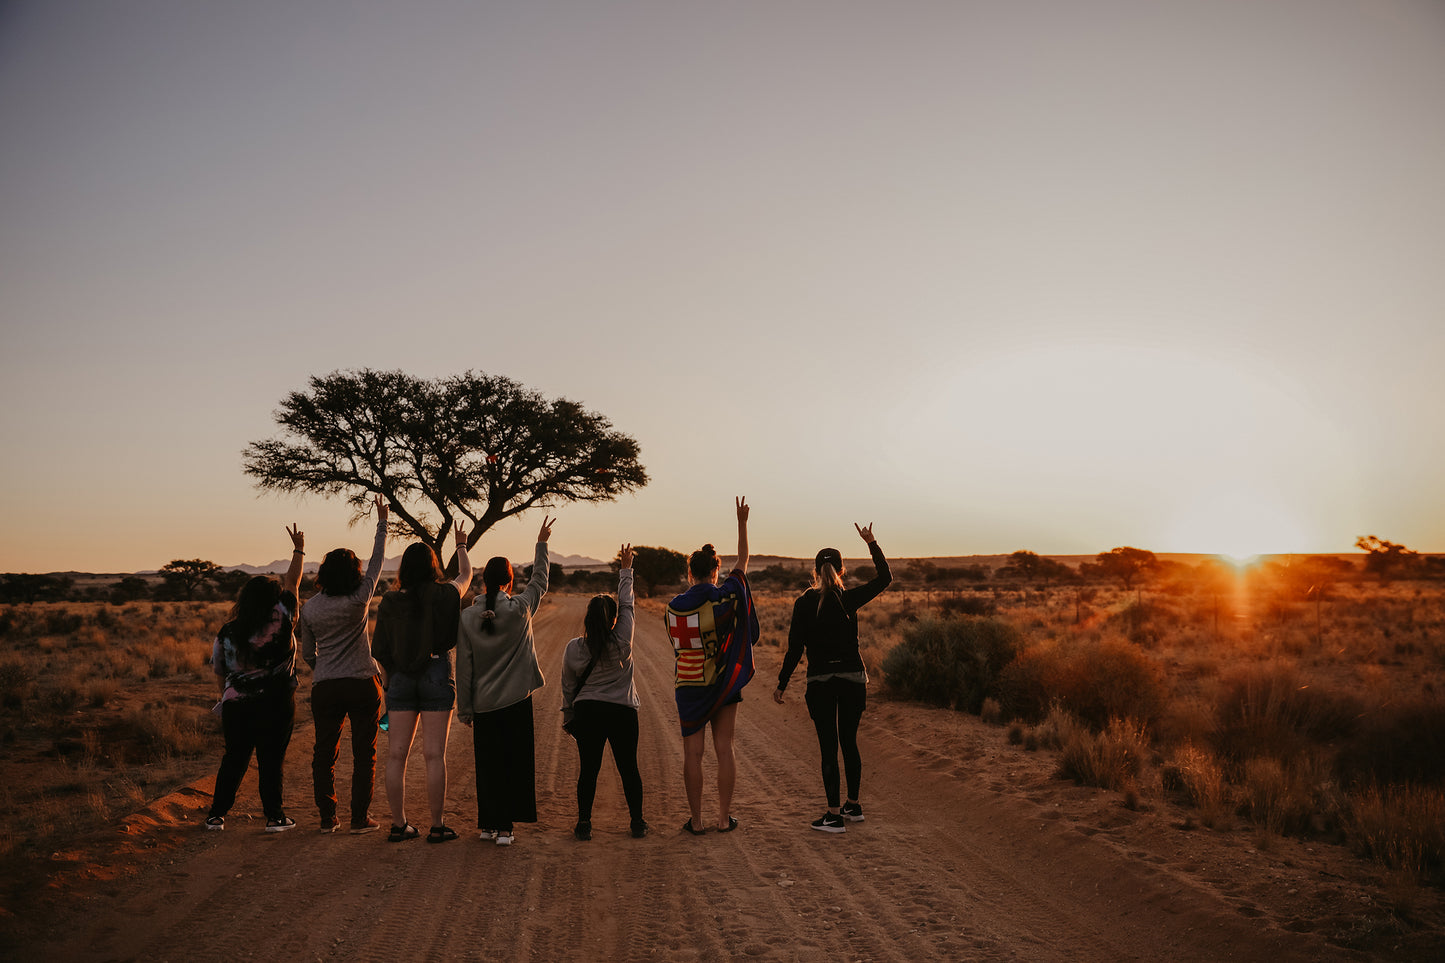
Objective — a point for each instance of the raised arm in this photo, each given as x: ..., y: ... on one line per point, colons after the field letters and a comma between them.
x: 861, y: 595
x: 742, y: 507
x: 541, y: 567
x: 291, y: 581
x: 463, y: 581
x: 378, y: 549
x: 626, y: 605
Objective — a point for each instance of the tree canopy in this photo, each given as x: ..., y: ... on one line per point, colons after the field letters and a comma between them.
x: 1125, y: 564
x: 1031, y: 567
x: 654, y: 568
x: 185, y: 575
x: 472, y: 446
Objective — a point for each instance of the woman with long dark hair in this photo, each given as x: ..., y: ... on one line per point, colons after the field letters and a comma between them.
x: 254, y: 658
x: 345, y: 682
x: 713, y: 627
x: 599, y: 699
x: 416, y: 630
x: 825, y: 626
x: 497, y: 673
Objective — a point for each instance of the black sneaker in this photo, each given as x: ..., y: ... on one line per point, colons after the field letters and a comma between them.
x: 583, y: 832
x: 639, y: 828
x: 852, y: 812
x: 830, y: 823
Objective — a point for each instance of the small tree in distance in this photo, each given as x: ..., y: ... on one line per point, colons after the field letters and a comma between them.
x: 1031, y: 567
x: 1386, y: 560
x: 185, y: 575
x: 654, y: 568
x: 1127, y: 564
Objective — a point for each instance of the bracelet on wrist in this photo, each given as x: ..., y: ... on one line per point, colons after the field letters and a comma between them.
x: 297, y: 551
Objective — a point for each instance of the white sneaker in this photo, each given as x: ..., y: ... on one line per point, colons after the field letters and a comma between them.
x: 487, y: 834
x: 504, y: 837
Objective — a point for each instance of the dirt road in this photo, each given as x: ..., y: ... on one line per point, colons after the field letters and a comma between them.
x: 948, y: 866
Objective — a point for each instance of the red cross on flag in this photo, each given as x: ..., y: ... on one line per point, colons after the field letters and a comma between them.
x: 684, y: 630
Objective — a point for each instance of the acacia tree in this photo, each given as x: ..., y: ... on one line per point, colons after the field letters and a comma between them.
x: 1386, y: 559
x: 472, y: 446
x: 1032, y: 567
x: 1125, y: 564
x: 184, y: 575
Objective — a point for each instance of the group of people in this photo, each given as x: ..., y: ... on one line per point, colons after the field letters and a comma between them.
x: 409, y: 672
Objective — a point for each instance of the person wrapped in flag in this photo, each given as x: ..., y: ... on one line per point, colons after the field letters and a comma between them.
x: 713, y: 627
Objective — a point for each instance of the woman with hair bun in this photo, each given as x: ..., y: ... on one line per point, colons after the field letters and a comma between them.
x: 599, y: 699
x: 713, y: 627
x: 497, y: 673
x: 416, y: 630
x: 825, y: 625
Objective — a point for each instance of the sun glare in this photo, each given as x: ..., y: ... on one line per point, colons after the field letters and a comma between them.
x: 1236, y: 524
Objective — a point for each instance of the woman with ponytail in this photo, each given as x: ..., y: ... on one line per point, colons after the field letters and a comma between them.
x: 825, y: 625
x: 497, y: 673
x: 599, y: 700
x: 416, y: 630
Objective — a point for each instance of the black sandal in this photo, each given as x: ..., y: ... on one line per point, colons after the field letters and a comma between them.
x: 400, y: 834
x: 687, y: 828
x: 441, y: 834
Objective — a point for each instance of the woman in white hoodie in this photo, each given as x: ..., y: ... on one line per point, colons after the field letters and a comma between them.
x: 497, y: 673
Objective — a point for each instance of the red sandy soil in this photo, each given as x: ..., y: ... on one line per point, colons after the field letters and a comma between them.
x: 971, y: 851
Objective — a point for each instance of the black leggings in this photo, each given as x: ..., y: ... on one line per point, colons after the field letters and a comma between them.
x: 597, y: 724
x: 836, y: 706
x: 260, y: 725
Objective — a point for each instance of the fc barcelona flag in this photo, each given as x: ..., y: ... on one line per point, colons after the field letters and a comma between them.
x: 713, y: 628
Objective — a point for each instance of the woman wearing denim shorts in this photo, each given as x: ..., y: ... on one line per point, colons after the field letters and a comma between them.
x: 416, y: 630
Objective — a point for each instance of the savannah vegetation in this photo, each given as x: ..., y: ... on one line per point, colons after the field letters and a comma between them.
x: 1302, y: 698
x: 1298, y: 697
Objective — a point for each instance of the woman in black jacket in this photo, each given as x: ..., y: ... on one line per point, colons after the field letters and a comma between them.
x: 825, y: 625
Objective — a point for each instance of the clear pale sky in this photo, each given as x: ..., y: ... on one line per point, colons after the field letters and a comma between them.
x: 1049, y: 275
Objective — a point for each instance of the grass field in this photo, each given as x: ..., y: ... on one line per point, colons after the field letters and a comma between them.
x: 1248, y: 696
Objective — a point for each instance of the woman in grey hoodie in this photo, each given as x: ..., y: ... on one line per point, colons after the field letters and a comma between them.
x: 497, y: 673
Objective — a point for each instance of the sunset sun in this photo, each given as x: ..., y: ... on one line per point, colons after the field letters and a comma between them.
x: 1236, y: 524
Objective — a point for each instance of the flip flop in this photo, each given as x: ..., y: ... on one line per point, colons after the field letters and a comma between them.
x: 400, y: 834
x: 732, y: 824
x: 687, y: 828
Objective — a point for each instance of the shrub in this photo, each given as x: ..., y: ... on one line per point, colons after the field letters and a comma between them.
x: 1269, y: 711
x: 172, y: 730
x: 1111, y: 759
x: 1397, y: 744
x: 951, y: 662
x: 15, y: 679
x: 968, y: 605
x: 1282, y: 796
x: 1096, y: 681
x: 1198, y: 774
x: 1402, y: 827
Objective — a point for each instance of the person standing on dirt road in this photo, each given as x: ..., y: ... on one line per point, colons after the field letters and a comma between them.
x: 497, y: 673
x: 416, y: 630
x: 345, y: 681
x: 825, y: 625
x: 254, y: 658
x: 713, y: 627
x: 599, y: 699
